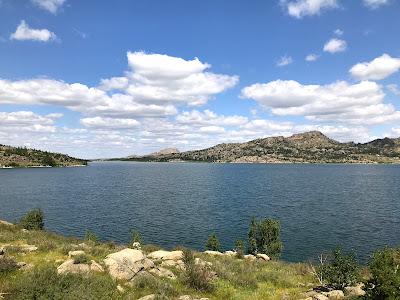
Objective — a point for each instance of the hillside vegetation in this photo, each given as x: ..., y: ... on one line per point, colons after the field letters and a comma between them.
x: 24, y: 157
x: 311, y: 147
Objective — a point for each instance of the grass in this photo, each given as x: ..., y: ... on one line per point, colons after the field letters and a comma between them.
x: 238, y: 279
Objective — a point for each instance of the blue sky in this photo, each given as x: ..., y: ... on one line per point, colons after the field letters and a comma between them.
x: 113, y: 78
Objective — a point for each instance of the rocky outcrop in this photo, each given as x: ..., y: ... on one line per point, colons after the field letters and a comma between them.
x: 166, y: 255
x: 69, y: 266
x: 354, y: 291
x: 126, y: 263
x: 263, y: 257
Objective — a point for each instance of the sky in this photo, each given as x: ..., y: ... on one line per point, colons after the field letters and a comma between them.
x: 97, y: 79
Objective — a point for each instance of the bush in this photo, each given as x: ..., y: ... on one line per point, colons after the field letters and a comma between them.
x: 136, y: 237
x: 264, y: 237
x: 90, y: 236
x: 196, y: 276
x: 385, y: 275
x: 33, y: 220
x: 213, y: 243
x: 339, y: 270
x: 239, y: 248
x: 45, y: 283
x: 7, y: 264
x: 81, y: 259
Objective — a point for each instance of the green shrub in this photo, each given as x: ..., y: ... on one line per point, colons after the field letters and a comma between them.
x: 339, y: 270
x: 90, y: 236
x: 136, y: 237
x: 239, y: 248
x: 49, y: 161
x: 7, y: 264
x: 196, y: 276
x: 385, y: 275
x: 33, y: 220
x: 81, y: 259
x: 213, y: 243
x: 264, y: 237
x: 45, y: 283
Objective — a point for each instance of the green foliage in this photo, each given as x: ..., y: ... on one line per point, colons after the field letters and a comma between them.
x: 49, y: 161
x: 136, y: 237
x: 82, y: 259
x: 196, y: 276
x: 90, y: 236
x: 385, y: 275
x: 7, y: 264
x: 45, y: 283
x: 340, y: 270
x: 239, y: 248
x: 264, y: 237
x: 33, y: 220
x: 213, y: 243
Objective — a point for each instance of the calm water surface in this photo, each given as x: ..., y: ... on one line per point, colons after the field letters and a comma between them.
x: 319, y: 206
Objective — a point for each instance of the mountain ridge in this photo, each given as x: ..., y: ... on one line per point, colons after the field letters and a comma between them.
x: 307, y: 147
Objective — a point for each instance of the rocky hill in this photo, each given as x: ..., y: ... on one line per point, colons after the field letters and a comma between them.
x: 310, y: 147
x: 24, y: 157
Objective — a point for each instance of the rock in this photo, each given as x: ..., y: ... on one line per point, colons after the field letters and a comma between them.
x: 162, y: 272
x: 148, y: 297
x: 166, y: 255
x: 126, y: 263
x: 230, y: 253
x: 6, y: 223
x: 188, y: 297
x: 173, y: 263
x: 335, y: 294
x: 76, y: 253
x: 354, y: 291
x: 215, y: 253
x: 28, y: 248
x: 120, y: 289
x: 70, y: 267
x: 24, y: 266
x: 136, y: 246
x: 309, y: 294
x: 264, y: 257
x: 250, y: 257
x: 199, y: 261
x: 320, y: 297
x: 2, y: 251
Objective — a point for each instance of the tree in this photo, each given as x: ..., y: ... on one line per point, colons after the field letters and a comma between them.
x: 264, y: 237
x: 49, y: 161
x: 90, y: 236
x: 385, y: 275
x: 213, y: 243
x: 338, y: 269
x: 239, y: 246
x: 136, y: 237
x: 33, y: 220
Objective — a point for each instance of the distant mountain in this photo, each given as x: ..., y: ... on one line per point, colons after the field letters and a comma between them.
x: 311, y: 147
x: 165, y: 151
x: 24, y: 157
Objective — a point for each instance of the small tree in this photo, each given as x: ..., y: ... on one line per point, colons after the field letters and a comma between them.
x: 33, y: 220
x: 136, y: 237
x: 385, y: 275
x: 49, y: 161
x: 90, y: 236
x: 338, y: 270
x: 213, y: 243
x: 196, y: 276
x: 264, y: 237
x: 239, y: 248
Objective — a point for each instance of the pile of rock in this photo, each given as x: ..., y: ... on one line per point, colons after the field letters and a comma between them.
x: 349, y: 292
x: 70, y: 265
x: 259, y: 256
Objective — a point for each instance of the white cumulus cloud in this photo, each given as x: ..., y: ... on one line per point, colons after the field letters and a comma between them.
x: 312, y: 57
x: 109, y: 123
x: 302, y: 8
x: 335, y: 45
x: 50, y: 5
x: 24, y: 33
x: 284, y: 61
x: 374, y: 4
x: 377, y: 69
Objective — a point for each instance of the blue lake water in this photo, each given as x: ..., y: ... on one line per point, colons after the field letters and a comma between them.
x: 170, y: 204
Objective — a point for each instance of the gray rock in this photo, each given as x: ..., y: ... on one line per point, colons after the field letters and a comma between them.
x: 162, y: 272
x: 214, y: 253
x: 70, y: 267
x: 263, y: 257
x: 354, y: 291
x: 166, y: 255
x: 75, y: 253
x: 126, y: 263
x: 334, y: 295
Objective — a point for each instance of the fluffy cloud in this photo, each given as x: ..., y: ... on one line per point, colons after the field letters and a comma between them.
x: 335, y: 45
x: 50, y: 5
x: 24, y: 33
x: 104, y: 123
x: 284, y: 61
x: 27, y: 121
x: 338, y: 32
x: 360, y: 103
x: 161, y: 78
x: 302, y: 8
x: 312, y: 57
x: 208, y: 117
x: 377, y: 69
x: 374, y: 4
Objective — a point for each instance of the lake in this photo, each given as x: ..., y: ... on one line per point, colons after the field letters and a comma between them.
x: 170, y: 204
